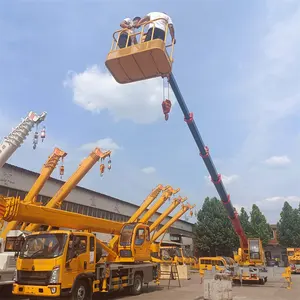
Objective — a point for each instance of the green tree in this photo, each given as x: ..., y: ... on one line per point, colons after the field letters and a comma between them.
x: 255, y: 226
x: 288, y: 227
x: 245, y: 222
x: 259, y: 225
x: 213, y: 231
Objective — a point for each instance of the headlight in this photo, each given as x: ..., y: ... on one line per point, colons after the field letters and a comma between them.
x: 54, y: 275
x: 15, y: 276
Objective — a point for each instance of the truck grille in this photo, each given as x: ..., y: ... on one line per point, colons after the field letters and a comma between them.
x: 34, y: 277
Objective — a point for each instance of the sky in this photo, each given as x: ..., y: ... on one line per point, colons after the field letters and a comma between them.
x: 237, y: 64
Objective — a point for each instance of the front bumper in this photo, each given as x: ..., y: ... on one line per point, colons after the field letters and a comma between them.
x: 35, y: 290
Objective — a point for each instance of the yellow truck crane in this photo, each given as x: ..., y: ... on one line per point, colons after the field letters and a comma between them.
x: 62, y: 262
x: 154, y: 58
x: 10, y: 234
x: 7, y: 258
x: 294, y: 259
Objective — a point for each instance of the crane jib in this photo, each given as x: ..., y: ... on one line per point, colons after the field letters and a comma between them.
x: 204, y: 153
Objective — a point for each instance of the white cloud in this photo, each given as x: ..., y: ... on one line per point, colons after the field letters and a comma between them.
x: 149, y: 170
x: 97, y: 91
x: 238, y: 207
x: 282, y: 43
x: 103, y: 144
x: 226, y: 179
x: 282, y: 199
x: 278, y: 161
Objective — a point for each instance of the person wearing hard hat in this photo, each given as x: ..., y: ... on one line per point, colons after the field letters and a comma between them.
x: 128, y: 25
x: 162, y: 19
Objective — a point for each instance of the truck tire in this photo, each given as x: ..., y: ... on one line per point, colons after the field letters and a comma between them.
x: 80, y: 291
x: 137, y: 286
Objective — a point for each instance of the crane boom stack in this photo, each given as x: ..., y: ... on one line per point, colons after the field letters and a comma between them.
x: 163, y: 198
x: 14, y: 140
x: 152, y: 196
x: 180, y: 213
x: 172, y: 206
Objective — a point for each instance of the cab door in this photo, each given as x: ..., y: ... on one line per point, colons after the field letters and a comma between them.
x: 92, y: 254
x: 78, y: 264
x: 141, y: 244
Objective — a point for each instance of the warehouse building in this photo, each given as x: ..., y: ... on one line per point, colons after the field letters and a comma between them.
x: 16, y: 181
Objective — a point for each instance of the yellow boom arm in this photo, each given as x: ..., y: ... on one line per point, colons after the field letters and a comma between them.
x: 46, y: 171
x: 65, y: 190
x: 12, y: 208
x: 161, y: 231
x: 173, y: 205
x: 163, y: 198
x: 153, y: 195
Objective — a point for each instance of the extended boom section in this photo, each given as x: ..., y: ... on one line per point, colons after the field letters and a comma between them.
x: 166, y: 213
x: 163, y: 198
x: 152, y: 196
x: 204, y: 153
x: 180, y: 213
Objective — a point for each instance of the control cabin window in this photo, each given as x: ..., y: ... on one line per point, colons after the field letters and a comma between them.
x: 126, y: 235
x: 79, y: 246
x: 254, y: 249
x: 205, y: 262
x: 140, y: 236
x: 218, y: 263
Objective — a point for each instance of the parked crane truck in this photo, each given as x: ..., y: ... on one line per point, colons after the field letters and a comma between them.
x: 11, y: 235
x: 251, y: 255
x: 294, y: 259
x: 14, y: 230
x: 72, y: 266
x: 14, y: 140
x: 58, y: 263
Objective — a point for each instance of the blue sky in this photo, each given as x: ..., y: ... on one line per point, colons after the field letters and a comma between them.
x: 236, y: 63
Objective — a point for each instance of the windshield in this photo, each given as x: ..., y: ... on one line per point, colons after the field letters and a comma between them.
x: 254, y: 249
x: 43, y: 245
x: 126, y: 235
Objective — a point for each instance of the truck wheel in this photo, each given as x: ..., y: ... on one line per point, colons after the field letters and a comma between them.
x: 137, y: 286
x: 80, y: 291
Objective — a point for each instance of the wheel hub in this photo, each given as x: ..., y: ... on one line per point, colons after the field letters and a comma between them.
x: 81, y: 293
